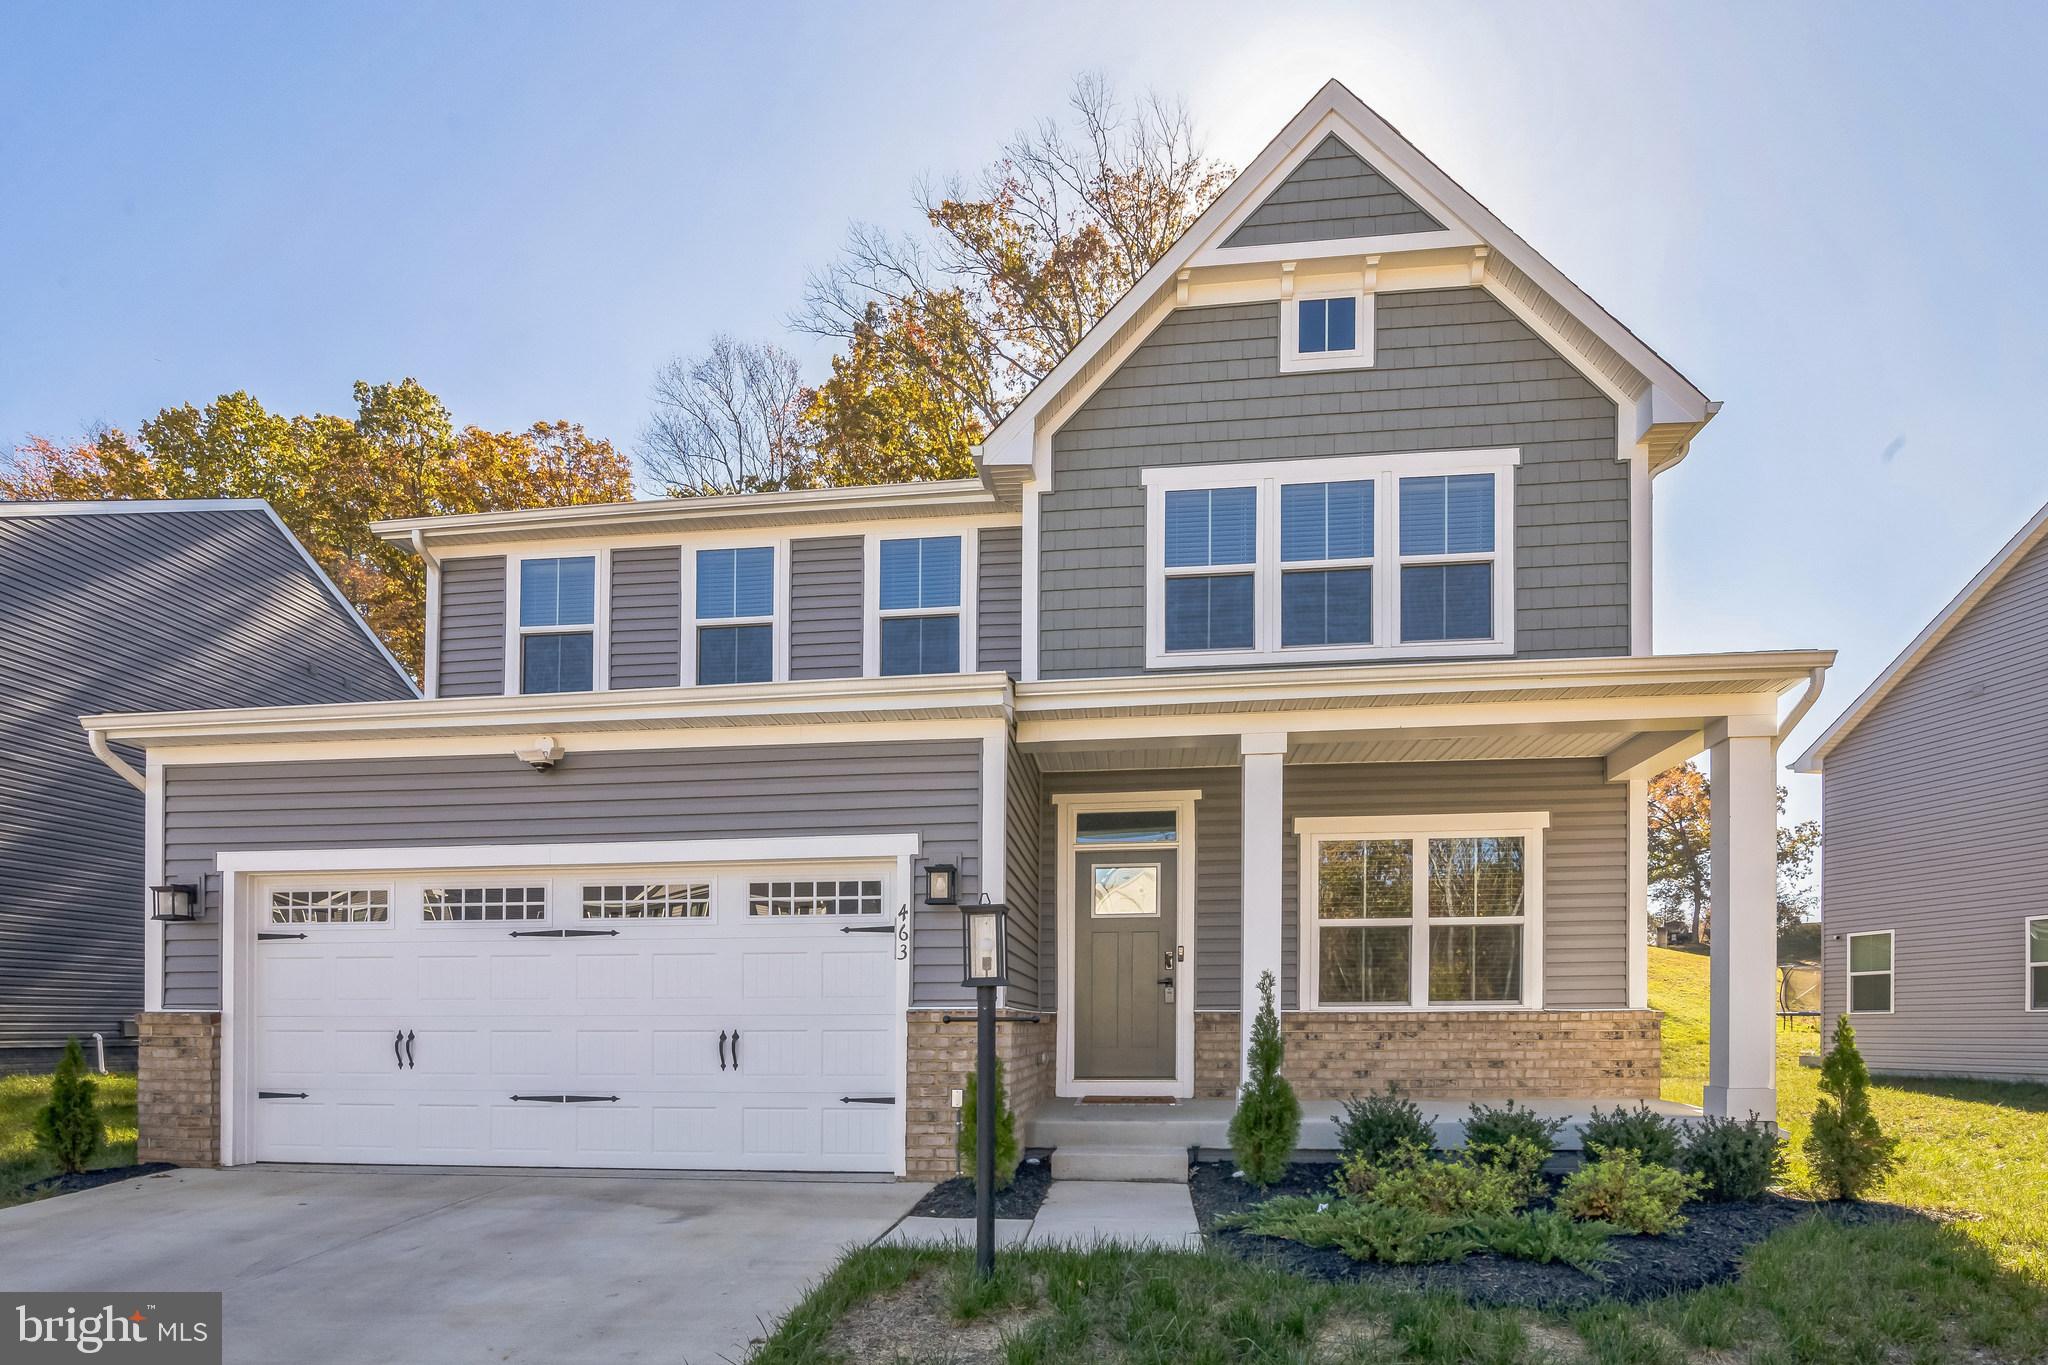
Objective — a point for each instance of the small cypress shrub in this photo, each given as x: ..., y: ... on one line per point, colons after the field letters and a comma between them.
x: 1848, y: 1151
x: 68, y: 1128
x: 1267, y: 1124
x: 1650, y: 1135
x: 1495, y: 1126
x: 1734, y: 1158
x: 1007, y: 1155
x: 1378, y: 1126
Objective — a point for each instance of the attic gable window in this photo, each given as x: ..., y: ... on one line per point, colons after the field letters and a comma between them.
x: 1321, y: 329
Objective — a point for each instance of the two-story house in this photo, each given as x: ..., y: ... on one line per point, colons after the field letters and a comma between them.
x: 1299, y: 622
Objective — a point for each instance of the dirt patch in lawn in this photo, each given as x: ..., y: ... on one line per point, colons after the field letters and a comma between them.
x: 915, y: 1324
x: 1709, y: 1250
x: 955, y: 1198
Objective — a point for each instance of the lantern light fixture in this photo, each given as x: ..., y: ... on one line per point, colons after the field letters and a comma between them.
x: 175, y: 902
x: 941, y: 884
x: 986, y: 940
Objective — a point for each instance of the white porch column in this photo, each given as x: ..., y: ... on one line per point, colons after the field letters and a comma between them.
x: 1742, y: 1036
x: 1265, y: 758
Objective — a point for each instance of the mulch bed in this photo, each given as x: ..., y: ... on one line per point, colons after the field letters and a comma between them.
x: 955, y: 1198
x: 1707, y: 1251
x: 92, y: 1180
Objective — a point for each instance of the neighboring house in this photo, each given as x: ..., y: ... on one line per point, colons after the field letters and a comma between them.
x: 1934, y: 796
x: 1298, y: 622
x: 126, y: 606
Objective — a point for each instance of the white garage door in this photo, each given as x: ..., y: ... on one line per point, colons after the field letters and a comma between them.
x: 657, y: 1017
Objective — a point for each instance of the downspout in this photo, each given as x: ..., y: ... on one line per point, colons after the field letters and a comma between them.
x: 98, y: 740
x: 1815, y: 680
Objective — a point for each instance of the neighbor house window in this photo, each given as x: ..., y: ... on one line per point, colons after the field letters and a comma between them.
x: 736, y: 615
x: 919, y: 600
x: 2037, y: 963
x: 1347, y: 557
x: 1870, y: 973
x: 1322, y: 330
x: 557, y: 624
x: 1430, y: 919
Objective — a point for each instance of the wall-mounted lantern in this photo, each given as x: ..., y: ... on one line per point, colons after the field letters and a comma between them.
x: 941, y: 884
x: 175, y: 902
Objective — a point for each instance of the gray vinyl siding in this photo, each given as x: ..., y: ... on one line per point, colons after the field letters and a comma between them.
x: 472, y: 627
x: 932, y: 789
x: 1333, y: 193
x: 1935, y: 823
x: 999, y: 623
x: 1453, y: 370
x: 825, y: 607
x: 1023, y: 801
x: 132, y: 611
x: 647, y: 617
x: 1585, y: 854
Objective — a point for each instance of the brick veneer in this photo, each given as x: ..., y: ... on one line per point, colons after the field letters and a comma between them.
x: 177, y: 1088
x: 941, y: 1059
x: 1577, y: 1054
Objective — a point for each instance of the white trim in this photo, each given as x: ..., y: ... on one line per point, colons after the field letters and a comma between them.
x: 995, y: 798
x: 599, y: 627
x: 1638, y: 893
x: 2027, y: 965
x: 430, y: 660
x: 1528, y: 826
x: 1890, y: 973
x: 1182, y: 804
x: 152, y: 875
x: 460, y: 857
x: 1946, y: 620
x: 1359, y: 357
x: 1641, y: 561
x: 1033, y: 511
x: 1385, y: 473
x: 872, y: 615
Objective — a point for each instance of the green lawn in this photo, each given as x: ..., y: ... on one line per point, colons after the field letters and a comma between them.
x: 22, y: 1165
x: 1969, y: 1284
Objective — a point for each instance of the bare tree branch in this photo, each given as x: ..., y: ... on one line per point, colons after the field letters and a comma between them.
x: 727, y: 421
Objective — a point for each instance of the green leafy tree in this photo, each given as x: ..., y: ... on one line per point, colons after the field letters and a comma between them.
x: 1007, y: 1154
x: 1681, y: 852
x: 1847, y: 1149
x: 68, y: 1128
x: 1267, y: 1124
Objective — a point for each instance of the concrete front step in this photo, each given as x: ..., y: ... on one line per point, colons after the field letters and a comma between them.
x: 1093, y: 1161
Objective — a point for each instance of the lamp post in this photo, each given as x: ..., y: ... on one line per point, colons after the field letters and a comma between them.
x: 985, y: 938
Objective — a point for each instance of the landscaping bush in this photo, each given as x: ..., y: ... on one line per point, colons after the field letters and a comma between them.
x: 1495, y: 1126
x: 1543, y: 1236
x: 1642, y: 1130
x: 1734, y: 1158
x: 1267, y: 1124
x: 68, y: 1128
x: 1848, y: 1151
x: 1007, y: 1155
x: 1518, y: 1159
x: 1376, y: 1126
x: 1362, y: 1231
x: 1619, y: 1188
x: 1458, y: 1188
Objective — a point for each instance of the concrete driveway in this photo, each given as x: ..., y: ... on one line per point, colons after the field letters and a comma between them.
x: 349, y: 1267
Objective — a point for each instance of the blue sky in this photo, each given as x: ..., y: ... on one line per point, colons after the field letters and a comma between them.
x: 1818, y: 212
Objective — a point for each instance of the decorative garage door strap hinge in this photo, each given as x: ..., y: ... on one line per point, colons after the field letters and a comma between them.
x: 264, y: 938
x: 867, y: 1099
x: 565, y: 933
x: 867, y: 928
x: 280, y: 1094
x: 567, y: 1099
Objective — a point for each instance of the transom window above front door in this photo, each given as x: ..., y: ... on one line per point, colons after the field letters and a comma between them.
x: 1354, y: 557
x: 1436, y: 913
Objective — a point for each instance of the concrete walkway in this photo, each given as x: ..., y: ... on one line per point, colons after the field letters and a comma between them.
x: 1079, y: 1213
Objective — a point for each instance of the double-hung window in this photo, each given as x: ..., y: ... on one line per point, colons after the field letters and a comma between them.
x: 736, y: 615
x: 1346, y: 557
x: 2037, y: 963
x: 919, y: 605
x: 557, y: 624
x: 1870, y: 972
x: 1433, y: 913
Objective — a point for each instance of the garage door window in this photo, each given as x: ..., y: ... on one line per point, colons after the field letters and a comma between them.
x: 353, y: 905
x: 807, y: 898
x: 648, y: 900
x: 481, y: 904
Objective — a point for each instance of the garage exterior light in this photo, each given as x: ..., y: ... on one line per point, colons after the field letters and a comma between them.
x: 175, y: 902
x: 941, y: 885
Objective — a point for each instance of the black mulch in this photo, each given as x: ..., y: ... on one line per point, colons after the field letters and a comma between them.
x: 1707, y: 1251
x: 92, y: 1180
x: 955, y: 1198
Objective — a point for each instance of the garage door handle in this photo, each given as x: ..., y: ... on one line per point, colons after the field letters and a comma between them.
x: 408, y: 1049
x: 735, y: 1049
x: 397, y: 1044
x: 721, y: 1049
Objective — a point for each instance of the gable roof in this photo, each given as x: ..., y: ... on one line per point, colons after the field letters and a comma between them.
x: 1937, y: 630
x: 1667, y: 407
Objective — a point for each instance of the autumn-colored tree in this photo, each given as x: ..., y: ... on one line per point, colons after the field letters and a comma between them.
x: 330, y: 477
x: 1681, y: 852
x: 880, y: 418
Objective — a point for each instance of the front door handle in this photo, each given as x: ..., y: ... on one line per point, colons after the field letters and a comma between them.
x: 721, y: 1049
x: 397, y: 1044
x: 408, y: 1050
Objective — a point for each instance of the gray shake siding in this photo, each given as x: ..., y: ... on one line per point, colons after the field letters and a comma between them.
x: 1453, y: 370
x: 930, y: 788
x: 1333, y: 193
x: 999, y: 625
x: 472, y: 626
x: 1936, y: 821
x: 647, y: 617
x: 825, y: 607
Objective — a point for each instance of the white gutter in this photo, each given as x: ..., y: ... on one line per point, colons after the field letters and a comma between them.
x: 106, y: 755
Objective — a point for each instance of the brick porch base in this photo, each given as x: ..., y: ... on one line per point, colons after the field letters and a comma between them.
x: 941, y: 1059
x: 177, y: 1088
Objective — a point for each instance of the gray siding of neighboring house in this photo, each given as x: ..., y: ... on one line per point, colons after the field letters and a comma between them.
x: 1023, y: 803
x: 647, y: 617
x: 472, y: 627
x: 825, y: 607
x: 1935, y: 819
x: 1585, y: 891
x: 999, y: 620
x: 1333, y: 193
x: 131, y: 611
x: 930, y: 788
x: 1453, y: 370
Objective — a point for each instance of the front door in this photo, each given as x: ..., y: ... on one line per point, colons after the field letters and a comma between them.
x: 1124, y: 964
